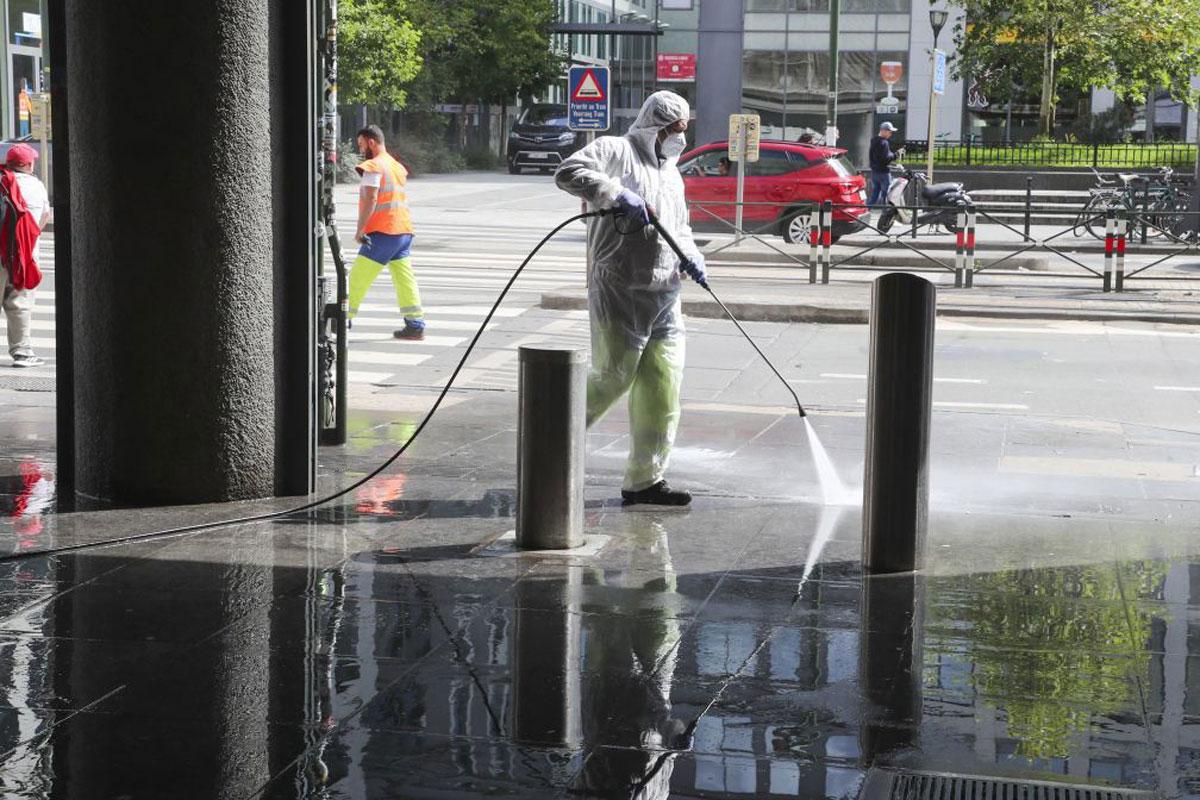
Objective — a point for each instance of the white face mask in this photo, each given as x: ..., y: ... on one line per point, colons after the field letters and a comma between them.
x: 673, y: 145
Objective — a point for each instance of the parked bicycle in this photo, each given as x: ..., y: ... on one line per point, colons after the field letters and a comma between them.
x: 1156, y: 202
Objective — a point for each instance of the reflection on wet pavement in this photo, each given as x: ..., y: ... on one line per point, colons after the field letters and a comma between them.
x: 304, y: 661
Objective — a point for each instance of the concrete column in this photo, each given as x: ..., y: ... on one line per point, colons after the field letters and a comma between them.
x: 175, y: 308
x: 718, y: 68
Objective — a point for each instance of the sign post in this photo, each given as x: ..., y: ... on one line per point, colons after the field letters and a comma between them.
x: 744, y: 130
x: 588, y: 98
x: 938, y: 86
x: 588, y: 111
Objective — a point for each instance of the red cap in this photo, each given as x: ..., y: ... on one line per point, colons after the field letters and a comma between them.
x: 21, y: 154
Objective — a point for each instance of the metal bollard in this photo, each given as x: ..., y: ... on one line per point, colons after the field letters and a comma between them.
x: 1119, y: 260
x: 1028, y: 205
x: 1110, y: 233
x: 550, y: 447
x: 826, y: 239
x: 814, y: 242
x: 899, y: 407
x: 972, y: 219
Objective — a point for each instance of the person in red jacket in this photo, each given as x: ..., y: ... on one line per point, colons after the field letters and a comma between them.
x: 32, y: 206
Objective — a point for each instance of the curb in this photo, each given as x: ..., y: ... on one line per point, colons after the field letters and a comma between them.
x: 857, y: 315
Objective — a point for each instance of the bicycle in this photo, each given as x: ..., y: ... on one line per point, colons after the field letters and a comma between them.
x: 1155, y: 195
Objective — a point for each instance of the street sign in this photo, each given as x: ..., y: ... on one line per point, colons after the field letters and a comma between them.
x: 587, y: 99
x: 939, y: 72
x: 744, y: 130
x: 883, y: 107
x: 676, y: 67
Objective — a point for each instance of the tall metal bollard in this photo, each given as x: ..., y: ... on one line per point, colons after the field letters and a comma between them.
x: 550, y: 447
x: 899, y: 405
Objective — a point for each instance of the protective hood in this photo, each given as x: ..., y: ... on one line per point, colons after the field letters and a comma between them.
x: 660, y: 110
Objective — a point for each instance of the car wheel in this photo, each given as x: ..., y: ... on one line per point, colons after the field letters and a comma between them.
x: 796, y: 227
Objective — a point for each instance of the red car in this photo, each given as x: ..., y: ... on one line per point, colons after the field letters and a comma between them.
x: 788, y: 176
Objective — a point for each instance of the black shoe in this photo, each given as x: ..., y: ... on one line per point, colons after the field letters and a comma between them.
x: 410, y: 333
x: 657, y: 495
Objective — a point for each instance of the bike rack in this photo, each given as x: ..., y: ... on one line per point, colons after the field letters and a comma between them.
x: 821, y: 232
x: 1034, y: 245
x: 1188, y: 244
x: 752, y: 234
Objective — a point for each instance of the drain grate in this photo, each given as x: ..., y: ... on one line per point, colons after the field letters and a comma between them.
x: 884, y: 784
x: 26, y: 383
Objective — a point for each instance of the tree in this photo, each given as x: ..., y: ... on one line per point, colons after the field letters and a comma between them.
x: 378, y: 52
x: 484, y: 51
x: 1133, y: 47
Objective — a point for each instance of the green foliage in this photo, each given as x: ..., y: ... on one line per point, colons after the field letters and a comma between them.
x: 484, y: 50
x: 1045, y: 153
x: 1049, y: 648
x: 378, y: 52
x: 1130, y: 46
x: 422, y: 154
x: 482, y: 158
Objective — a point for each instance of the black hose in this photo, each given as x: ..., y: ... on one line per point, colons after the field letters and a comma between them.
x: 310, y: 505
x: 670, y: 240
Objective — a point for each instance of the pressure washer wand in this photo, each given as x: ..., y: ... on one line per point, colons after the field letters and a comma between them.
x: 670, y: 240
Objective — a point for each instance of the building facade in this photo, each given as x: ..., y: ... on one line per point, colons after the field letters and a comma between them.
x: 771, y: 57
x: 24, y: 66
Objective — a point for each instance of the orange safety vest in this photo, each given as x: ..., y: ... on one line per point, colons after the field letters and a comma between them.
x: 391, y: 213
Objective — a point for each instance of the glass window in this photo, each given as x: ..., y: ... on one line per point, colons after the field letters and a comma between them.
x: 766, y: 5
x: 25, y: 22
x: 545, y: 115
x: 709, y: 164
x: 771, y: 162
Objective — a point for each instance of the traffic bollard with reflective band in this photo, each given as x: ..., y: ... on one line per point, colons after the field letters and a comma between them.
x: 972, y: 219
x: 814, y: 243
x: 826, y: 239
x: 1110, y: 232
x: 1119, y: 261
x: 899, y: 407
x: 960, y: 249
x: 550, y: 447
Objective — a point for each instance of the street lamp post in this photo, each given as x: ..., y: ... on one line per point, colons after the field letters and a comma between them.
x: 937, y: 20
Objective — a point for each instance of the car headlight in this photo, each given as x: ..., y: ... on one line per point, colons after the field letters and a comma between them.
x: 513, y: 136
x: 567, y: 138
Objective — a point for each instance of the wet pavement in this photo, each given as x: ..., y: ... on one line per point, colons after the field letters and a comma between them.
x: 386, y: 646
x: 389, y: 645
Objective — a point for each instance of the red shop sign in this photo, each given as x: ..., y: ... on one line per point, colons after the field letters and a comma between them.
x: 677, y: 66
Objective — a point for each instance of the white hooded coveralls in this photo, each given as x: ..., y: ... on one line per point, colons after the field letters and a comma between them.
x: 633, y: 288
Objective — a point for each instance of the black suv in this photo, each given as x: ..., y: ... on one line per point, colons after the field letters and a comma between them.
x: 540, y: 138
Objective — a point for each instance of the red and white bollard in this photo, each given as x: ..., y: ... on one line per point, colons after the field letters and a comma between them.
x: 1110, y: 246
x: 814, y: 242
x: 826, y: 239
x: 969, y: 259
x: 1119, y: 261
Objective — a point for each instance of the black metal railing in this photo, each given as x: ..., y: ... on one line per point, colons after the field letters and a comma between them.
x: 1102, y: 155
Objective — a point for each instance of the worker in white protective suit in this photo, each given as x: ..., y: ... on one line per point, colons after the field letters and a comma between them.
x: 633, y: 288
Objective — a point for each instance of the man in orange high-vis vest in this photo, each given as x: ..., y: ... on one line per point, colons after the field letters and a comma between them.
x: 385, y: 233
